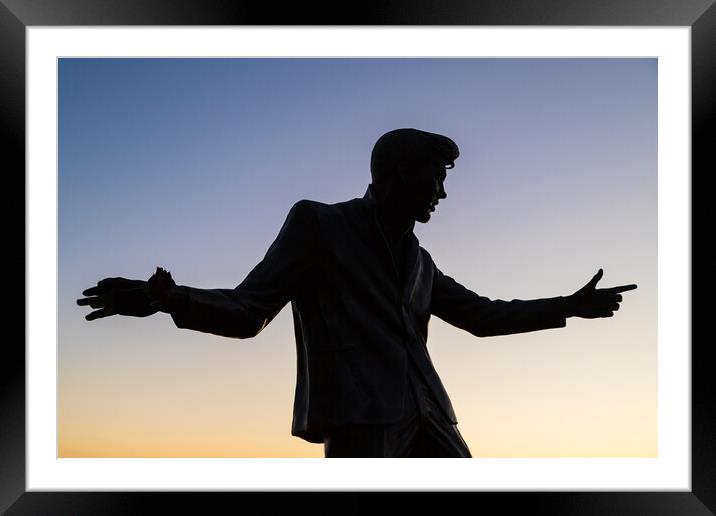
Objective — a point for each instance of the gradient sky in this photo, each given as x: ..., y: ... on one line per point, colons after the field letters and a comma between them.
x: 192, y: 164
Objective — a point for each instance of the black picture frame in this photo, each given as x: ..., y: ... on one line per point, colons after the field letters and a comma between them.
x: 17, y: 15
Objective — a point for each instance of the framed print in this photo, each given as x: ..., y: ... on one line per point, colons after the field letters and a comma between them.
x: 96, y: 78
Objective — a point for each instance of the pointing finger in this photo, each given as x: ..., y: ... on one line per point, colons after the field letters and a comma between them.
x: 622, y: 288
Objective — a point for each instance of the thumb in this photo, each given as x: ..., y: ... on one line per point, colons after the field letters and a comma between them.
x: 593, y: 282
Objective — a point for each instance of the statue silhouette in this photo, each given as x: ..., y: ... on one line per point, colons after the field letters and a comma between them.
x: 362, y: 291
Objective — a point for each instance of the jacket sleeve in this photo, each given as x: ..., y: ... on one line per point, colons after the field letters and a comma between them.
x: 244, y: 311
x: 484, y: 317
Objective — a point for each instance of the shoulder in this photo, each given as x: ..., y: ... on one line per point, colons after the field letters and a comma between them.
x: 426, y: 256
x: 306, y: 209
x: 301, y: 216
x: 429, y: 264
x: 305, y: 205
x: 320, y: 210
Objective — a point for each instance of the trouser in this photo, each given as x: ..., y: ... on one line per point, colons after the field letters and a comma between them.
x: 423, y: 432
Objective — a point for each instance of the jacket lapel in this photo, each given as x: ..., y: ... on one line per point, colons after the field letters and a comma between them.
x: 380, y: 244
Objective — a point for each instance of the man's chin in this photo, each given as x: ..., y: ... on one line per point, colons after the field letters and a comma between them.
x: 423, y: 218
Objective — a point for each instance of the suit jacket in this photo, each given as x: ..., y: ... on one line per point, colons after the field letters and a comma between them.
x: 356, y: 323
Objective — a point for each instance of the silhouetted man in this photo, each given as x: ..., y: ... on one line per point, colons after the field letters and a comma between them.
x: 362, y: 292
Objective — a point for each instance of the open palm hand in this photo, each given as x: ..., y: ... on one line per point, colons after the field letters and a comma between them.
x: 119, y: 296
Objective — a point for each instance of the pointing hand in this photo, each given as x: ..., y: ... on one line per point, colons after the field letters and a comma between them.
x: 591, y: 303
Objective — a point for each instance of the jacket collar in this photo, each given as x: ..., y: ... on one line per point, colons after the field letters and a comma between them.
x: 369, y: 196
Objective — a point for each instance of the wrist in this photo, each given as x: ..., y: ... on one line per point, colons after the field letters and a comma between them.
x: 175, y: 298
x: 568, y: 306
x: 161, y: 286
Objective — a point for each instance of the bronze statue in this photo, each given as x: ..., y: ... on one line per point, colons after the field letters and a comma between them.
x: 362, y: 291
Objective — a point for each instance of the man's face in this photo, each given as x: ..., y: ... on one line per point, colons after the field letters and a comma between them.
x: 424, y: 185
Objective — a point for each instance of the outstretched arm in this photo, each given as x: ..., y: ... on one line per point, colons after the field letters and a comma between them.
x: 485, y: 317
x: 241, y: 312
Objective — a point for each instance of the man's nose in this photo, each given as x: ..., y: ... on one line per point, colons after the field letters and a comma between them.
x: 442, y: 194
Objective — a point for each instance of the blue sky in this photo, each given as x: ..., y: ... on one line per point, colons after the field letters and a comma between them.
x: 192, y: 164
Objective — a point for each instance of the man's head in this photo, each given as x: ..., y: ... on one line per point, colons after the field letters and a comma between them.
x: 408, y: 166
